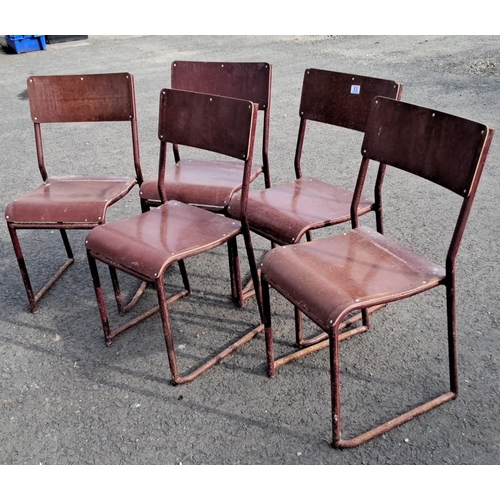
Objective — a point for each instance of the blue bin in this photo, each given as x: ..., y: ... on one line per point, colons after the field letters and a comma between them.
x: 25, y: 43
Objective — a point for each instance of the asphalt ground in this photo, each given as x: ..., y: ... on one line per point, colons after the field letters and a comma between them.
x: 68, y: 399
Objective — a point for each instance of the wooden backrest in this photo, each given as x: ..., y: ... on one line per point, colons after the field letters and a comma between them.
x: 82, y: 98
x: 445, y: 149
x: 442, y: 148
x: 214, y: 123
x: 246, y: 80
x: 342, y: 99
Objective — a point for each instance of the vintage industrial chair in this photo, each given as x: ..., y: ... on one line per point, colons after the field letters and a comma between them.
x: 285, y: 213
x: 329, y: 278
x: 73, y: 202
x: 146, y: 246
x: 211, y: 183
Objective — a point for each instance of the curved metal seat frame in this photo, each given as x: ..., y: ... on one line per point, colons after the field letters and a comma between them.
x: 147, y: 245
x: 328, y: 279
x: 72, y: 202
x: 284, y: 214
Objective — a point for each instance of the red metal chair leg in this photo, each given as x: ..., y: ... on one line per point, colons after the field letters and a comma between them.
x: 122, y: 307
x: 101, y: 304
x: 235, y: 273
x: 337, y: 441
x: 109, y: 334
x: 167, y: 331
x: 178, y: 379
x: 452, y: 334
x: 266, y: 311
x: 32, y: 297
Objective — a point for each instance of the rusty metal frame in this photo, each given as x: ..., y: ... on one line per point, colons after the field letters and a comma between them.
x: 320, y: 341
x: 226, y: 79
x: 40, y: 115
x: 168, y: 126
x: 162, y: 308
x: 466, y: 188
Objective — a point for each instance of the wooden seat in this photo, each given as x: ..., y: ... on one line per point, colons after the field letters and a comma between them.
x: 146, y: 246
x: 284, y: 214
x: 73, y: 202
x: 212, y: 183
x: 332, y: 98
x: 331, y: 278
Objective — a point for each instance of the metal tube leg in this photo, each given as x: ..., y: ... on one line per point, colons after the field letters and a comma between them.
x: 22, y: 267
x: 100, y: 299
x: 185, y: 279
x: 67, y: 246
x: 234, y: 271
x: 116, y: 289
x: 266, y: 306
x: 253, y: 271
x: 335, y: 384
x: 365, y: 315
x: 299, y: 327
x: 452, y: 336
x: 167, y: 331
x: 32, y: 297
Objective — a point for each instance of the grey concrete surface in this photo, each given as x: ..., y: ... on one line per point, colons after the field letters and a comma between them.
x: 65, y: 398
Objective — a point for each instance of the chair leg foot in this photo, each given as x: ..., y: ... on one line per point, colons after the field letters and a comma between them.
x: 391, y: 424
x: 184, y: 379
x: 33, y: 298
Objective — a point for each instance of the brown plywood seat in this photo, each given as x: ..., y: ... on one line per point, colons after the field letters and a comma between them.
x: 74, y: 202
x: 210, y: 183
x: 329, y: 279
x: 286, y: 212
x: 70, y: 200
x: 147, y: 245
x: 334, y: 276
x: 202, y: 183
x: 283, y: 214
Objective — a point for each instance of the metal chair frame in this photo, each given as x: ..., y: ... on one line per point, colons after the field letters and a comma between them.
x: 436, y: 146
x: 241, y: 80
x: 64, y: 99
x: 339, y: 100
x: 176, y: 231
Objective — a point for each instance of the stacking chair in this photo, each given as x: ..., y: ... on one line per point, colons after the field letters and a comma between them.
x: 211, y: 183
x: 72, y: 202
x: 285, y: 213
x: 146, y: 246
x: 329, y: 278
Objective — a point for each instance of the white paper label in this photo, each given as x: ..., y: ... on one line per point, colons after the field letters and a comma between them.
x: 355, y: 89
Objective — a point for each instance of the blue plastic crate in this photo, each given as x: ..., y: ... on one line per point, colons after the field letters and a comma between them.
x: 25, y: 43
